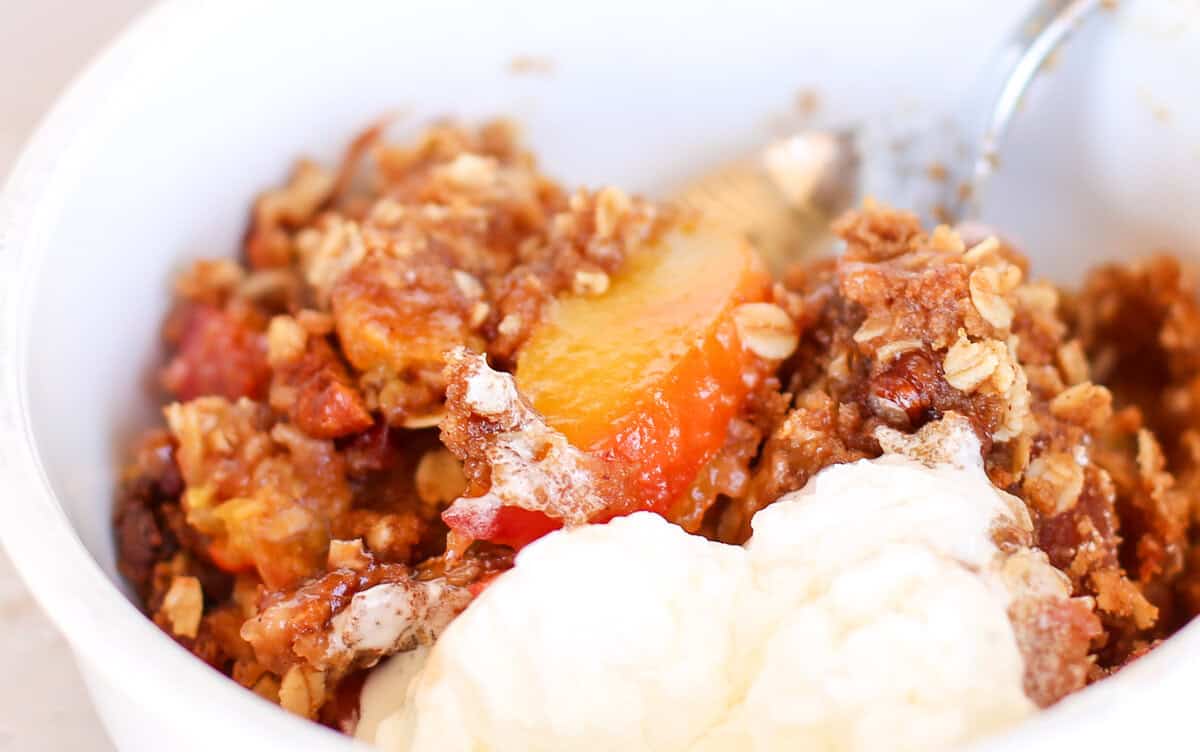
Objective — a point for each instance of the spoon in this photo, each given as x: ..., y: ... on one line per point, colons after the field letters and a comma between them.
x: 783, y: 198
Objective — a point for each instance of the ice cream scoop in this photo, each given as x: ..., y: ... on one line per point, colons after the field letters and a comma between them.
x: 870, y: 610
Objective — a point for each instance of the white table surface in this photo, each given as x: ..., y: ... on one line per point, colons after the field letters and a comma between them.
x: 43, y: 706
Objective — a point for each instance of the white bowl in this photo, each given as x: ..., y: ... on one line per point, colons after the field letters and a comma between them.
x: 156, y: 152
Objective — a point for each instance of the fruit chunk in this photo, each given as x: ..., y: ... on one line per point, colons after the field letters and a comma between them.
x: 219, y: 353
x: 262, y: 493
x: 649, y: 374
x: 400, y: 314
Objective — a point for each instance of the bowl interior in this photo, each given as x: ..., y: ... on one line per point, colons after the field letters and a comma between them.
x: 213, y: 104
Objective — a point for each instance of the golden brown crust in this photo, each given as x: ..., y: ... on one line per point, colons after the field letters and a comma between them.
x: 905, y: 327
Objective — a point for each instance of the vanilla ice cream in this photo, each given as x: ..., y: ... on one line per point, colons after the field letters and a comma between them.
x: 868, y: 611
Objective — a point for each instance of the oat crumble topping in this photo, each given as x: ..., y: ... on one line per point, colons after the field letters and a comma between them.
x: 340, y: 402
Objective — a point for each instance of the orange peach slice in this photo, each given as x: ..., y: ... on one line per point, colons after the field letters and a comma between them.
x: 649, y: 373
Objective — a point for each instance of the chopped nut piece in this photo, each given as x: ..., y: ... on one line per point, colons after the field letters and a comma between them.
x: 183, y: 605
x: 245, y: 594
x: 285, y: 340
x: 471, y: 171
x: 347, y: 554
x: 1022, y: 449
x: 839, y: 368
x: 766, y: 330
x: 439, y: 477
x: 589, y: 282
x: 611, y: 205
x: 467, y: 284
x: 390, y: 535
x: 510, y: 325
x: 1149, y: 454
x: 479, y: 314
x: 1073, y: 363
x: 1119, y: 596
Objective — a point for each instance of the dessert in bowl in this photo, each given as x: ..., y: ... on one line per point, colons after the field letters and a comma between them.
x: 658, y: 372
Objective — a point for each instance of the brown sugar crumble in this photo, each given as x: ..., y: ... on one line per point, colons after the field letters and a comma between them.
x: 301, y: 475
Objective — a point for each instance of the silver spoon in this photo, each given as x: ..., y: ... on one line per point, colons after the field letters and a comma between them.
x: 784, y: 197
x: 998, y: 94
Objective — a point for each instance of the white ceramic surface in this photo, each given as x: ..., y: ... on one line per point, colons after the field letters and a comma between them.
x: 42, y: 45
x: 154, y: 155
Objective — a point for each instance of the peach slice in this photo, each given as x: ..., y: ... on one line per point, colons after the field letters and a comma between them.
x: 649, y: 374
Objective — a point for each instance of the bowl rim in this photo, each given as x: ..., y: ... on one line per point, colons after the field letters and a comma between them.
x: 104, y: 629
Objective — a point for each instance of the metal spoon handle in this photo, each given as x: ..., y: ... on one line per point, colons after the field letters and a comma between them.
x: 994, y: 100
